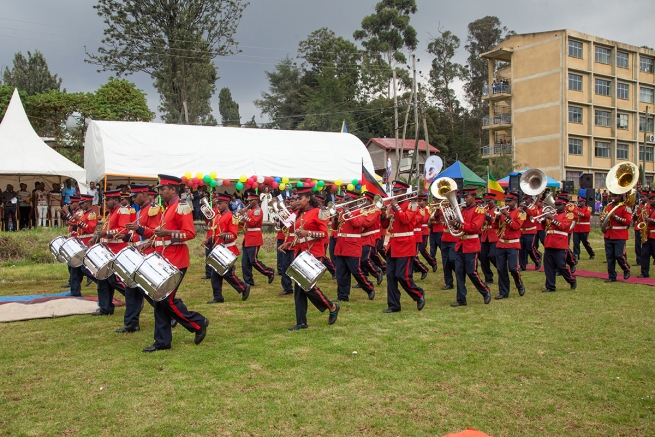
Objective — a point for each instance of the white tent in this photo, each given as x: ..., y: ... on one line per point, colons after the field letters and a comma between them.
x: 25, y: 157
x: 122, y: 150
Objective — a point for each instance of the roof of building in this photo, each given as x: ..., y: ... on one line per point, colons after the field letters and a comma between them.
x: 390, y: 144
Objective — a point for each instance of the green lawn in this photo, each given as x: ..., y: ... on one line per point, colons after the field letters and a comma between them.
x: 569, y: 363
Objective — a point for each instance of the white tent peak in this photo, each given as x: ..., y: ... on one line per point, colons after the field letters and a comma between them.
x: 15, y: 122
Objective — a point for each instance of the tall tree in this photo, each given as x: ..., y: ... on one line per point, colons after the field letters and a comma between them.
x: 252, y: 124
x: 174, y: 42
x: 283, y: 102
x: 31, y: 75
x: 228, y: 108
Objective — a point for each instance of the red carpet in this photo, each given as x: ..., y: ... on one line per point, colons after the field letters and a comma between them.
x: 603, y: 275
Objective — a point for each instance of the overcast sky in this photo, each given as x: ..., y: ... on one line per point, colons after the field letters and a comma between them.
x: 270, y: 30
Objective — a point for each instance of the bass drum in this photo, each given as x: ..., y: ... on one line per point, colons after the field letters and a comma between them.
x: 221, y: 259
x: 157, y: 277
x: 126, y: 263
x: 306, y: 270
x: 99, y: 259
x: 73, y: 251
x: 55, y: 245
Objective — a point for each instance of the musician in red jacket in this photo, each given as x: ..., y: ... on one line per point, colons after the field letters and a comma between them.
x: 400, y: 251
x: 171, y: 236
x: 636, y: 220
x: 223, y: 229
x: 616, y: 235
x: 582, y: 228
x: 558, y: 227
x: 489, y: 238
x: 370, y: 237
x: 284, y: 258
x: 424, y: 218
x: 310, y: 230
x: 468, y: 247
x: 327, y: 262
x: 529, y: 234
x: 252, y: 241
x: 648, y: 247
x: 83, y: 227
x: 508, y: 224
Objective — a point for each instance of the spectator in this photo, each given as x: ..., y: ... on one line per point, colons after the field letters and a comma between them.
x: 195, y: 202
x: 67, y: 192
x: 236, y: 204
x: 187, y: 196
x: 604, y: 198
x: 265, y: 197
x: 55, y: 205
x: 10, y: 201
x: 41, y: 201
x: 24, y: 206
x: 93, y: 191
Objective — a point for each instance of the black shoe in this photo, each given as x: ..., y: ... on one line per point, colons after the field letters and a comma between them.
x: 574, y: 285
x: 380, y: 278
x: 202, y: 332
x: 573, y: 269
x: 523, y: 269
x: 491, y: 281
x: 342, y: 299
x: 420, y: 303
x: 500, y: 296
x: 133, y: 327
x: 487, y: 298
x: 371, y: 295
x: 424, y: 275
x: 76, y: 295
x: 592, y: 256
x: 100, y: 313
x: 154, y: 348
x: 357, y: 285
x: 271, y: 277
x: 447, y: 287
x: 245, y: 293
x: 334, y: 276
x: 521, y: 290
x: 66, y: 286
x: 626, y: 275
x: 610, y: 280
x: 547, y: 290
x: 206, y: 277
x: 458, y: 304
x: 297, y: 327
x: 434, y: 268
x: 284, y: 293
x: 643, y: 276
x: 537, y: 266
x: 334, y: 314
x: 88, y: 282
x: 173, y: 323
x: 391, y: 310
x: 216, y: 301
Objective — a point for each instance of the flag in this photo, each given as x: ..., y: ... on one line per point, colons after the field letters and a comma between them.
x: 494, y: 187
x: 371, y: 183
x: 344, y: 129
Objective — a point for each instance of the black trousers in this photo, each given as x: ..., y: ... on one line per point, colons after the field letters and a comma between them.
x: 554, y: 261
x: 231, y: 278
x: 638, y: 246
x: 435, y: 243
x: 77, y: 275
x: 106, y: 289
x: 249, y: 260
x: 399, y: 271
x: 172, y: 307
x: 329, y: 265
x: 418, y: 265
x: 528, y: 249
x: 507, y: 261
x: 581, y: 237
x: 10, y: 216
x: 284, y: 260
x: 466, y: 264
x: 541, y: 237
x: 347, y: 266
x: 315, y: 296
x: 448, y: 256
x: 332, y: 245
x: 208, y: 250
x: 367, y: 262
x: 488, y: 253
x: 615, y: 252
x: 377, y: 255
x: 25, y: 217
x: 647, y: 251
x: 381, y: 252
x: 423, y: 250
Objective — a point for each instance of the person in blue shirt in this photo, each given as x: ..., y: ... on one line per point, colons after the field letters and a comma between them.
x: 67, y: 192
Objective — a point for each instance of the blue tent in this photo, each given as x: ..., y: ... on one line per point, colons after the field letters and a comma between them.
x: 553, y: 183
x: 460, y: 171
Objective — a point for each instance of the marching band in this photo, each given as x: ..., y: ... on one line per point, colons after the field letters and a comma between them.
x: 145, y: 255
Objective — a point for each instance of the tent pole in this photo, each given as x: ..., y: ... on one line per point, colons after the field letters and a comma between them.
x: 104, y: 199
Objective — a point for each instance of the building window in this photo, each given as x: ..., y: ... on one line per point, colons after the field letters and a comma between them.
x: 575, y: 114
x: 575, y: 146
x: 602, y: 150
x: 649, y: 153
x: 642, y: 121
x: 622, y: 151
x: 603, y: 87
x: 645, y: 95
x: 623, y: 91
x: 599, y: 180
x: 573, y: 176
x: 622, y: 59
x: 622, y: 121
x: 575, y: 82
x: 575, y: 49
x: 603, y: 55
x: 603, y: 118
x: 645, y: 64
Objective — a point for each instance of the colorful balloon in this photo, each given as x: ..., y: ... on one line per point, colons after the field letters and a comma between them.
x: 199, y: 175
x: 184, y: 179
x: 314, y: 189
x: 239, y: 185
x: 188, y: 175
x: 243, y: 178
x: 219, y: 183
x: 358, y: 186
x: 285, y: 180
x: 321, y: 183
x: 206, y: 178
x: 300, y: 184
x: 338, y: 182
x: 282, y: 186
x: 226, y: 182
x: 354, y: 182
x: 213, y: 183
x: 350, y: 187
x: 212, y: 174
x: 260, y: 179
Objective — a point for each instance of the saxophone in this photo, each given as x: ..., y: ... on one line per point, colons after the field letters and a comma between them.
x: 643, y: 226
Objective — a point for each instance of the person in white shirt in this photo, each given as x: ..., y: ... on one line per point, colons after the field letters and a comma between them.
x: 42, y: 201
x: 55, y: 205
x: 93, y: 191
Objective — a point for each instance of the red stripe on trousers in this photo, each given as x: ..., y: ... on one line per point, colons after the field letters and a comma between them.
x: 259, y: 264
x: 179, y: 314
x: 408, y: 279
x: 475, y: 272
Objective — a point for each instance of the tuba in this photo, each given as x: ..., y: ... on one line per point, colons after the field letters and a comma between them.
x: 206, y: 210
x: 533, y: 183
x: 445, y: 189
x: 620, y: 179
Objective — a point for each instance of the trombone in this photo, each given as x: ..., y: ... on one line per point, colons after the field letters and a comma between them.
x: 377, y: 204
x: 549, y: 208
x: 335, y: 209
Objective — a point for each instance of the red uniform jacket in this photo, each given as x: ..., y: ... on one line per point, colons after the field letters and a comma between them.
x: 651, y: 226
x: 490, y: 226
x: 583, y: 224
x: 509, y: 229
x: 557, y: 231
x: 349, y: 238
x: 150, y: 217
x: 117, y: 219
x: 637, y: 214
x: 418, y: 222
x: 529, y: 227
x: 309, y: 220
x: 437, y: 221
x: 371, y: 229
x: 177, y: 218
x: 469, y: 241
x: 401, y: 234
x: 425, y: 229
x: 72, y: 221
x: 82, y: 225
x: 253, y: 228
x: 224, y: 223
x: 619, y: 222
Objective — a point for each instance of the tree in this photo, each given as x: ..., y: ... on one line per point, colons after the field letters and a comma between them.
x: 174, y: 42
x: 228, y: 108
x: 283, y: 103
x: 118, y: 99
x: 31, y: 75
x: 252, y: 124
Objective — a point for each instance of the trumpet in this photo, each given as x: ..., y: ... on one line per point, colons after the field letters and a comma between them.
x: 206, y: 210
x: 446, y: 190
x: 549, y: 208
x: 241, y: 215
x: 335, y: 209
x: 499, y: 211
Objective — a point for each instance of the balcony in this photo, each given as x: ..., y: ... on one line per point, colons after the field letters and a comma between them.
x: 499, y: 91
x: 496, y: 149
x: 498, y: 121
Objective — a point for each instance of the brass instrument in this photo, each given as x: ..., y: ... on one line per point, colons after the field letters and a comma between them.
x: 241, y: 215
x: 549, y: 208
x: 446, y: 190
x: 620, y: 179
x: 533, y: 183
x: 377, y: 204
x: 335, y: 209
x: 434, y: 206
x: 499, y: 211
x: 643, y: 225
x: 206, y: 210
x: 281, y: 212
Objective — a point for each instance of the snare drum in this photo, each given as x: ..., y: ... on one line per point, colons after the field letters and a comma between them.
x: 126, y: 263
x: 306, y: 270
x: 98, y: 260
x: 55, y: 245
x: 221, y: 259
x: 157, y: 277
x: 73, y: 251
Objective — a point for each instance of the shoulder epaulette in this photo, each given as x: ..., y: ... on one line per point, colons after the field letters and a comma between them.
x: 153, y: 210
x: 569, y: 216
x: 523, y: 215
x: 479, y: 210
x: 183, y: 208
x: 92, y: 215
x: 324, y: 214
x: 132, y: 210
x: 124, y: 210
x: 257, y: 212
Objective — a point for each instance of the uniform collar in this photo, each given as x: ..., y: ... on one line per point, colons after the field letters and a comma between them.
x: 175, y: 199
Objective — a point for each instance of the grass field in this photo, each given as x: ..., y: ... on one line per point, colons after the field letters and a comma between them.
x: 569, y: 363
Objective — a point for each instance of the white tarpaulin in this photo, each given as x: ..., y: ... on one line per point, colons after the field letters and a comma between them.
x: 25, y: 157
x: 143, y: 150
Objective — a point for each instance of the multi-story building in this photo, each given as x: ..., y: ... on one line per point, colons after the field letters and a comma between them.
x: 570, y: 103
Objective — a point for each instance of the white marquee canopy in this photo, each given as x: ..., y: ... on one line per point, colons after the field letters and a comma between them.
x: 123, y: 150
